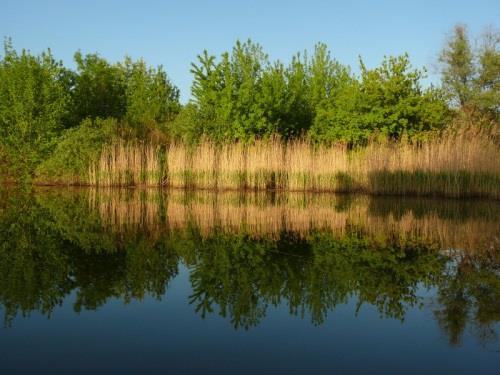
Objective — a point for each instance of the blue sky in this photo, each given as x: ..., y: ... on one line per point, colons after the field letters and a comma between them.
x: 172, y: 33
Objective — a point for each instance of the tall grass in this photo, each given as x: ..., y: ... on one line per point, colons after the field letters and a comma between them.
x: 455, y: 165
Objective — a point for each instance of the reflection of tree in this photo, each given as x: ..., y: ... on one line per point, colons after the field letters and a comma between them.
x: 385, y: 274
x: 243, y: 276
x: 132, y: 272
x: 470, y: 295
x: 51, y: 245
x: 34, y: 272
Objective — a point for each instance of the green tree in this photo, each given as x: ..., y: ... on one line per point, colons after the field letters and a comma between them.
x: 471, y: 76
x: 327, y: 77
x: 139, y: 96
x: 488, y: 80
x: 229, y: 93
x: 99, y: 89
x: 297, y: 116
x: 77, y: 148
x: 387, y: 100
x: 458, y: 69
x: 151, y: 98
x: 33, y: 104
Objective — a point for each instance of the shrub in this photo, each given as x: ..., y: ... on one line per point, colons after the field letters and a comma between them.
x: 76, y: 150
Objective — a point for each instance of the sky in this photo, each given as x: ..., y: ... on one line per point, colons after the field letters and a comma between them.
x: 173, y: 33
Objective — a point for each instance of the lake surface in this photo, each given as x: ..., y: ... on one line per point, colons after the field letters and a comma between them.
x: 144, y: 281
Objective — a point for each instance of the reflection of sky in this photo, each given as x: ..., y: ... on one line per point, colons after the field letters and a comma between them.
x: 168, y: 335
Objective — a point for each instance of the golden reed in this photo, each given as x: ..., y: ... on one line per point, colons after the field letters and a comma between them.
x: 459, y: 165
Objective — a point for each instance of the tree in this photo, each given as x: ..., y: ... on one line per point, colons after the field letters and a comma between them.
x: 99, y: 89
x: 471, y: 76
x: 33, y: 104
x: 139, y: 96
x: 151, y: 99
x: 326, y: 75
x: 297, y: 117
x: 388, y: 100
x: 228, y: 93
x: 458, y: 69
x: 488, y: 80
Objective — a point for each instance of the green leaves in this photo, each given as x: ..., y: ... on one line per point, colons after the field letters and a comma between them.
x: 39, y: 98
x: 244, y: 96
x: 471, y: 75
x: 33, y: 104
x: 387, y: 100
x: 240, y: 96
x: 151, y: 99
x: 99, y: 89
x: 76, y: 149
x: 141, y: 96
x: 458, y: 66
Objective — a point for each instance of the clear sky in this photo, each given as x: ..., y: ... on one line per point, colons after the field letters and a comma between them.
x: 172, y: 33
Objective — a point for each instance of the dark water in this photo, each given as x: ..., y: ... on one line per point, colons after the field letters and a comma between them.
x: 146, y: 282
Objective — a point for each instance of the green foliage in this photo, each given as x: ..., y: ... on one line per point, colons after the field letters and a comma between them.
x: 138, y: 95
x: 151, y: 98
x: 471, y: 76
x: 458, y: 66
x: 187, y: 126
x: 387, y: 100
x: 39, y: 98
x: 228, y: 93
x: 33, y: 103
x: 98, y: 90
x: 245, y: 96
x: 488, y: 80
x: 76, y: 149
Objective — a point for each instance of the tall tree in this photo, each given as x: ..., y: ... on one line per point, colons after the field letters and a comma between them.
x: 471, y: 76
x: 33, y: 104
x: 99, y: 88
x: 151, y: 99
x: 458, y: 68
x: 488, y: 80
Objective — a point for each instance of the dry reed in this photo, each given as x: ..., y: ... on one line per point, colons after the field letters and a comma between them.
x: 457, y: 165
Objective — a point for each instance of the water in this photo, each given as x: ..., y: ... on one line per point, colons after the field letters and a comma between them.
x: 129, y: 281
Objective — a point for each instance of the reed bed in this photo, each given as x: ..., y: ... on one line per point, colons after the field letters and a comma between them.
x: 458, y: 165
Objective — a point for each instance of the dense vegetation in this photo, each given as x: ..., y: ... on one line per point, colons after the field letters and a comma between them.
x: 55, y: 119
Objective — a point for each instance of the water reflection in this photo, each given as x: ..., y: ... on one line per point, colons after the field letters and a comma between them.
x: 248, y: 252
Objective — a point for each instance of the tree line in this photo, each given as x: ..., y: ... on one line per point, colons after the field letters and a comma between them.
x: 240, y: 96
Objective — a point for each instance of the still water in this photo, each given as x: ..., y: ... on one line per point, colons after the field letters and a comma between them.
x: 143, y: 281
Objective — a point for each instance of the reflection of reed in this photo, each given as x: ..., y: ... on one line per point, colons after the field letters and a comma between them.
x: 261, y: 216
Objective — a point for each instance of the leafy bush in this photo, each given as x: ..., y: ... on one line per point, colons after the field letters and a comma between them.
x: 387, y: 100
x: 76, y: 149
x: 33, y: 103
